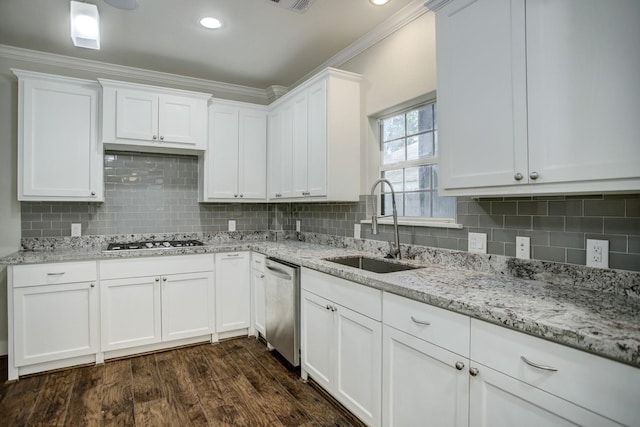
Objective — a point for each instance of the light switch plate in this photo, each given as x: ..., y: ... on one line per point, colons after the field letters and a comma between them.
x: 298, y: 225
x: 523, y: 247
x: 597, y: 253
x: 357, y: 229
x: 76, y: 230
x: 478, y: 243
x: 232, y: 225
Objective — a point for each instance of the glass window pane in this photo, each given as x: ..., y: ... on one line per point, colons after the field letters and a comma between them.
x: 393, y: 152
x: 434, y: 170
x: 420, y: 120
x: 395, y: 176
x: 393, y: 128
x: 418, y: 178
x: 420, y: 146
x: 417, y: 204
x: 435, y: 144
x: 387, y: 207
x: 444, y: 207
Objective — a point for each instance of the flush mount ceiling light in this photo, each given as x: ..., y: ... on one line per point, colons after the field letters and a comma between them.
x: 85, y: 25
x: 379, y: 2
x: 210, y: 22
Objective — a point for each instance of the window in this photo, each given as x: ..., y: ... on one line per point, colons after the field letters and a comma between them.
x: 409, y: 160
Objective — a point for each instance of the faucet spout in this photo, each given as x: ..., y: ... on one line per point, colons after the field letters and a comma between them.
x: 395, y: 253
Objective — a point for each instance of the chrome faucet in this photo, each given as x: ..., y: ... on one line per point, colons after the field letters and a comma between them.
x: 393, y: 253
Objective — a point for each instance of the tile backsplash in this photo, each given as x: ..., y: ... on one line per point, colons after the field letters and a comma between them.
x: 148, y: 193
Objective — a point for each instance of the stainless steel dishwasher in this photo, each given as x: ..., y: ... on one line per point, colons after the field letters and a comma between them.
x: 282, y: 325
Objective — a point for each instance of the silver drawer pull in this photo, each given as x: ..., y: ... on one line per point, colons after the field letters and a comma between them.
x: 55, y: 274
x: 535, y: 365
x: 420, y: 322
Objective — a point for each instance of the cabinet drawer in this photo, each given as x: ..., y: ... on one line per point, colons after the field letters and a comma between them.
x: 257, y: 261
x: 601, y: 385
x: 445, y: 328
x: 55, y: 273
x: 359, y: 298
x: 155, y: 266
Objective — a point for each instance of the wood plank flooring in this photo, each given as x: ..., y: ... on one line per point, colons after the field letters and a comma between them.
x: 233, y: 383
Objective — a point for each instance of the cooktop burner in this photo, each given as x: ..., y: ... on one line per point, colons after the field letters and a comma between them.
x: 153, y: 244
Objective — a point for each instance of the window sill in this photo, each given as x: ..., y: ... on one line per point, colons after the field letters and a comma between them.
x: 416, y: 222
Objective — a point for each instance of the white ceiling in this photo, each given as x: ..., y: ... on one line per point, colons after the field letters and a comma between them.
x: 259, y: 46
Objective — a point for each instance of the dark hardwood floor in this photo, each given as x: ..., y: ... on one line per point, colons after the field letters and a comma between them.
x: 234, y: 383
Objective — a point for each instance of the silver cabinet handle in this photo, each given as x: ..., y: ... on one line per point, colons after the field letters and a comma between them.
x: 534, y: 175
x: 55, y: 274
x: 536, y: 365
x: 334, y: 308
x: 278, y: 195
x: 235, y: 195
x: 474, y: 372
x: 420, y: 322
x: 459, y: 366
x: 242, y: 195
x: 518, y: 176
x: 262, y: 276
x: 161, y: 138
x: 328, y: 307
x: 93, y: 193
x: 155, y: 137
x: 232, y: 255
x: 157, y: 279
x: 164, y: 279
x: 93, y: 285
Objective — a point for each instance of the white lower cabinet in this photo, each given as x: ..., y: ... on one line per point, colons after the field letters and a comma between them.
x: 341, y: 337
x: 53, y: 316
x: 139, y: 308
x: 426, y: 382
x: 258, y: 301
x: 233, y: 291
x: 522, y: 380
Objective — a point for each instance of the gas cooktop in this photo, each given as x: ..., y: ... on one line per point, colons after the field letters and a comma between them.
x: 153, y: 244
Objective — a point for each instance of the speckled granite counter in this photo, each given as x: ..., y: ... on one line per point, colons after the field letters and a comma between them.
x: 604, y: 323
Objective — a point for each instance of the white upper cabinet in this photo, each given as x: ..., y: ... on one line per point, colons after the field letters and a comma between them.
x: 59, y: 153
x: 235, y: 164
x: 537, y: 96
x: 314, y: 140
x: 152, y: 118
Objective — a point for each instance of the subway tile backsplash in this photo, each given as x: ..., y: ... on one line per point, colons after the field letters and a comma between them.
x: 149, y: 193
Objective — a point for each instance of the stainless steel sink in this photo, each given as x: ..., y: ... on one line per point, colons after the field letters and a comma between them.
x: 371, y: 264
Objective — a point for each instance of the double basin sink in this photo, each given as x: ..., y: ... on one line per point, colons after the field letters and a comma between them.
x: 374, y: 265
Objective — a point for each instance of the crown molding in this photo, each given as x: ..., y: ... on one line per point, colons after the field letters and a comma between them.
x: 122, y: 71
x: 435, y: 4
x: 274, y: 92
x: 404, y: 16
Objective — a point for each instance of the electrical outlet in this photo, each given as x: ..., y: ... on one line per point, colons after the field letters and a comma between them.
x: 232, y: 225
x: 298, y: 225
x: 478, y: 243
x: 76, y: 230
x: 523, y: 247
x: 357, y: 229
x: 597, y: 253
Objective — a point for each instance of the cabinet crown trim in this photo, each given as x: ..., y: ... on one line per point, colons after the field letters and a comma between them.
x: 106, y: 83
x: 435, y: 4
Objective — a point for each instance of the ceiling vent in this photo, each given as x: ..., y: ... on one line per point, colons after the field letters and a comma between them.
x: 300, y: 6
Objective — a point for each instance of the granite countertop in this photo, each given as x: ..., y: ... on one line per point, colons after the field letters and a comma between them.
x: 607, y: 324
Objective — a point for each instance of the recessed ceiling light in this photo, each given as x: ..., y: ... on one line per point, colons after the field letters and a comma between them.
x: 209, y: 22
x: 379, y: 2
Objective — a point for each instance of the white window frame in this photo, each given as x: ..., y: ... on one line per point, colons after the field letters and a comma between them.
x: 406, y: 220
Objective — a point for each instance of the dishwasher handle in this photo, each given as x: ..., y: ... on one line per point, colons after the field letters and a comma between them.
x: 279, y: 273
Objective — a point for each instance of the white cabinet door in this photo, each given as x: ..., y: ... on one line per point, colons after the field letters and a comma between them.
x: 59, y: 156
x: 130, y: 312
x: 421, y: 378
x: 317, y: 139
x: 358, y: 358
x: 317, y: 331
x: 286, y: 152
x: 55, y: 322
x: 252, y: 171
x: 233, y: 291
x: 258, y: 293
x: 481, y: 93
x: 498, y: 400
x: 136, y: 115
x: 275, y: 156
x: 187, y: 305
x: 300, y: 147
x: 583, y: 92
x: 181, y: 120
x: 223, y: 153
